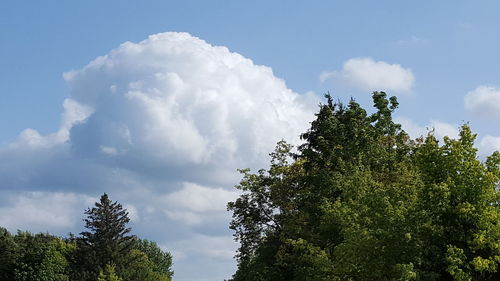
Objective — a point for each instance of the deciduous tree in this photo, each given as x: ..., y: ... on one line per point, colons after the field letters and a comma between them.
x: 360, y: 200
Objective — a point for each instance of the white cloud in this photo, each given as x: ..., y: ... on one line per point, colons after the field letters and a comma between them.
x: 73, y: 113
x: 370, y: 75
x: 174, y: 99
x: 157, y: 125
x: 133, y: 213
x: 108, y: 150
x: 215, y: 247
x: 194, y: 204
x: 440, y: 129
x: 484, y: 101
x: 43, y: 211
x: 489, y: 144
x: 217, y: 253
x: 171, y: 103
x: 413, y: 40
x: 185, y: 216
x: 200, y: 198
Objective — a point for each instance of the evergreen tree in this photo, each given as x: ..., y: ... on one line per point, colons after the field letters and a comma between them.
x: 8, y: 255
x: 107, y: 240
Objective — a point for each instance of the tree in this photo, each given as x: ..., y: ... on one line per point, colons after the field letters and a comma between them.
x: 148, y: 263
x: 41, y: 257
x: 161, y: 261
x: 360, y: 200
x: 459, y: 207
x: 107, y: 240
x: 8, y: 255
x: 143, y: 269
x: 34, y: 257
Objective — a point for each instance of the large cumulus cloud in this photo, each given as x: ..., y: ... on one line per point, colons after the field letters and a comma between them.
x: 162, y: 126
x: 174, y: 99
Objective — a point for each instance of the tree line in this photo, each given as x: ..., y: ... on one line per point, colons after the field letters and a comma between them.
x: 361, y: 200
x: 106, y: 251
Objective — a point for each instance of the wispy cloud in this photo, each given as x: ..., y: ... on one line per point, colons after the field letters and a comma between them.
x: 464, y: 26
x: 413, y: 40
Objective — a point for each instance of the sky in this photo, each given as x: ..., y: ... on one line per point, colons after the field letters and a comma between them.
x: 158, y: 103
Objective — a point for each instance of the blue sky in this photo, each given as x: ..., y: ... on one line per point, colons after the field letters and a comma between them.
x: 439, y: 57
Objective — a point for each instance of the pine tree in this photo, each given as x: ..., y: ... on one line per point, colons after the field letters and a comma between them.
x: 107, y: 241
x: 8, y: 249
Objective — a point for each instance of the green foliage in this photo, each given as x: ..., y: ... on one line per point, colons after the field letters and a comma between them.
x: 105, y: 253
x: 360, y: 200
x: 108, y: 274
x: 143, y: 269
x: 41, y: 257
x: 160, y: 261
x: 459, y: 207
x: 310, y: 262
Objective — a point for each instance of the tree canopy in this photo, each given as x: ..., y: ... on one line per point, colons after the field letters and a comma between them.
x: 361, y: 200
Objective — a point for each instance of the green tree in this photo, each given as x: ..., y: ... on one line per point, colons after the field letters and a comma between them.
x: 259, y: 215
x: 41, y: 257
x: 148, y: 263
x: 143, y: 269
x: 161, y: 261
x: 106, y: 241
x: 459, y: 202
x: 360, y: 200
